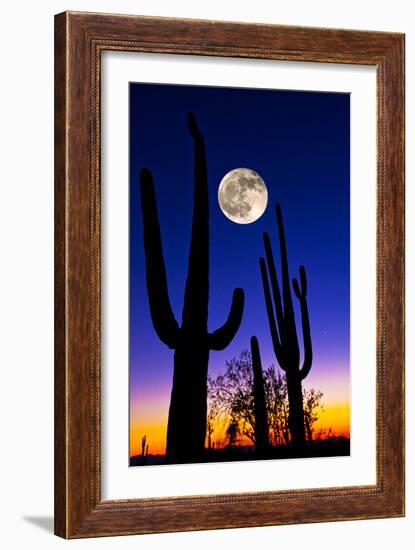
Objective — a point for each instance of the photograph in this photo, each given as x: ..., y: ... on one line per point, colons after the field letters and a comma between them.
x: 239, y: 274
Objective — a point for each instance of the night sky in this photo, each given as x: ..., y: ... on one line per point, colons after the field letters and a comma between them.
x: 298, y: 142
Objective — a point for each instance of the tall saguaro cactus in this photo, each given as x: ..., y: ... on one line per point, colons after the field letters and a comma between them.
x: 283, y: 328
x: 260, y: 410
x: 191, y: 340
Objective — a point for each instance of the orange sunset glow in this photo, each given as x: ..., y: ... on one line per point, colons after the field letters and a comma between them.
x: 335, y: 416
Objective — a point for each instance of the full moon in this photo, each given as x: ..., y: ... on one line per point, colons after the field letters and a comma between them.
x: 242, y: 195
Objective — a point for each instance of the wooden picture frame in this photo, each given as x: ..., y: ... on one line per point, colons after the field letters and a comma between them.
x: 79, y: 40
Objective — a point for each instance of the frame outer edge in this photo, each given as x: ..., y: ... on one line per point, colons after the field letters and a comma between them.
x: 60, y: 385
x: 397, y: 125
x: 392, y: 321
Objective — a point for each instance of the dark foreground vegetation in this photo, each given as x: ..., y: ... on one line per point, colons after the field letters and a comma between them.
x: 330, y: 447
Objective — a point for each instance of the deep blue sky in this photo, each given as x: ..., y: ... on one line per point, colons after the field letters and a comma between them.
x: 299, y: 144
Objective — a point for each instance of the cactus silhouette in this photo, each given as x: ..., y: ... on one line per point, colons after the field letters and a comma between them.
x: 144, y: 451
x: 191, y: 340
x: 260, y: 410
x: 283, y: 329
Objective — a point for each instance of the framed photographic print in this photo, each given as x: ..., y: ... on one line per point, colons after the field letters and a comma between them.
x: 229, y: 247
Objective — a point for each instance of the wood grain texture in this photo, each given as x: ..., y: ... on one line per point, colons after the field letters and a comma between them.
x: 79, y: 40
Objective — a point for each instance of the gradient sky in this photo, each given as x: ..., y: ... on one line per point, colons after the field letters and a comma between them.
x: 299, y: 144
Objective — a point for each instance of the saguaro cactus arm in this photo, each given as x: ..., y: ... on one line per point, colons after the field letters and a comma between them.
x: 290, y: 327
x: 221, y: 338
x: 301, y: 293
x: 161, y: 312
x: 275, y: 287
x: 271, y: 317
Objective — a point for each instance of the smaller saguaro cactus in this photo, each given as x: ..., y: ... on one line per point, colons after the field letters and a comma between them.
x: 283, y: 328
x: 260, y: 409
x: 144, y: 451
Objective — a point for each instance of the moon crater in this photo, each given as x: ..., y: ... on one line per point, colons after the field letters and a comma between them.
x: 243, y: 195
